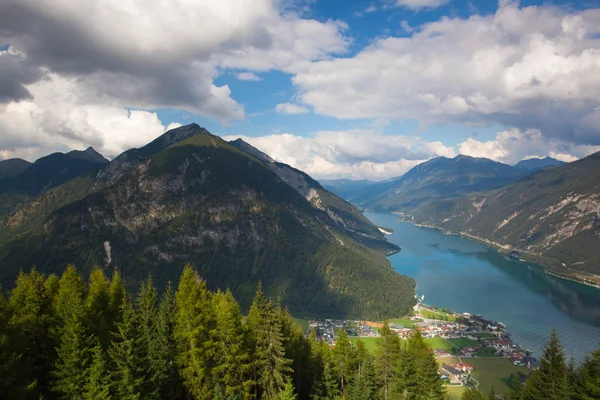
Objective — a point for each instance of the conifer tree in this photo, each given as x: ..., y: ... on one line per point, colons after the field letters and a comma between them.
x: 156, y: 367
x: 128, y: 367
x: 31, y: 321
x: 193, y: 322
x: 428, y: 382
x: 74, y: 349
x: 550, y: 381
x: 7, y: 355
x: 287, y: 393
x: 387, y: 356
x: 97, y: 386
x: 233, y: 363
x: 587, y: 382
x: 298, y: 350
x: 343, y: 359
x: 270, y: 364
x: 171, y: 387
x: 98, y: 303
x: 117, y: 294
x: 362, y: 386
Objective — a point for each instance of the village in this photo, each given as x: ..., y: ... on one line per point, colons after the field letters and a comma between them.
x: 455, y: 338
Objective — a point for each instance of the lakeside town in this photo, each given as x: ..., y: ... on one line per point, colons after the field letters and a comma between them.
x: 458, y: 340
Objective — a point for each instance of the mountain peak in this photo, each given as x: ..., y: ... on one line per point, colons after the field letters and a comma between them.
x: 134, y: 156
x: 535, y: 164
x: 89, y: 154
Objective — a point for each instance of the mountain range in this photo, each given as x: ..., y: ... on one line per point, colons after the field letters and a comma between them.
x: 191, y: 197
x: 541, y: 210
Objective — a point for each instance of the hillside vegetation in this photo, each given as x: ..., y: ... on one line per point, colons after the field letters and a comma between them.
x: 193, y: 197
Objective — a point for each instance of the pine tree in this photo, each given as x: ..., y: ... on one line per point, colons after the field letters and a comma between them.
x: 31, y: 321
x: 156, y: 371
x: 287, y: 393
x: 7, y: 355
x: 74, y: 349
x: 550, y: 381
x: 128, y: 367
x: 428, y: 383
x: 233, y: 363
x: 587, y: 382
x: 343, y: 359
x: 97, y: 386
x: 270, y: 364
x: 193, y: 322
x: 362, y: 386
x: 117, y: 294
x: 99, y: 309
x: 387, y: 356
x: 171, y: 387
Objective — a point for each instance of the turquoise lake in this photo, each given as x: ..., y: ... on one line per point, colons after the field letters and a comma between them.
x: 466, y: 276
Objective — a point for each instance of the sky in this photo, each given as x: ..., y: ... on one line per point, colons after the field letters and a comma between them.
x: 338, y: 88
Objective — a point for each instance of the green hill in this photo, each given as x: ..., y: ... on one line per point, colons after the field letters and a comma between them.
x: 193, y: 197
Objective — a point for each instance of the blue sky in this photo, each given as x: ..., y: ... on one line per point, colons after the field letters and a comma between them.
x: 358, y: 89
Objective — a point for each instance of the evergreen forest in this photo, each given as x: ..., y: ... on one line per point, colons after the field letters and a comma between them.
x: 70, y: 338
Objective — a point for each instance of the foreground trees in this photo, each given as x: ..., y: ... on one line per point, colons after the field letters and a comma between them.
x: 63, y: 338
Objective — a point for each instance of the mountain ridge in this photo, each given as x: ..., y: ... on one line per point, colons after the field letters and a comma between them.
x: 203, y: 200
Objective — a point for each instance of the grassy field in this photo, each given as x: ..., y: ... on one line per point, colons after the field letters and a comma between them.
x: 437, y: 315
x: 439, y: 343
x: 463, y: 342
x: 302, y: 323
x: 455, y: 392
x: 370, y: 342
x: 494, y: 371
x: 488, y: 372
x: 405, y: 322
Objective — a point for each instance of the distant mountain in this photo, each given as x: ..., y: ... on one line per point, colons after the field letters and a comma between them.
x: 90, y: 155
x: 441, y: 178
x: 51, y: 171
x: 12, y: 167
x: 535, y: 164
x: 358, y: 191
x: 551, y: 217
x: 227, y: 208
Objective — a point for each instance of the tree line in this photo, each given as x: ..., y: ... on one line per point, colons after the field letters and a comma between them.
x: 65, y: 338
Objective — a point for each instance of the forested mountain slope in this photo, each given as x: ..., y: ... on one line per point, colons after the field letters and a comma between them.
x: 189, y: 196
x: 552, y: 217
x: 443, y: 178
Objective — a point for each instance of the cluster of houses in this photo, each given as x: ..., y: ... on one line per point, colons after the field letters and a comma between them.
x: 487, y: 337
x: 456, y: 374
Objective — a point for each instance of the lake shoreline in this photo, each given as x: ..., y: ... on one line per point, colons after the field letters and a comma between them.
x: 506, y: 250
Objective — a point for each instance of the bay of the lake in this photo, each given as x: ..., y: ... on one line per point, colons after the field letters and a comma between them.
x: 465, y: 276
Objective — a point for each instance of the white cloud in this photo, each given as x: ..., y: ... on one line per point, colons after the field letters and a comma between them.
x: 60, y: 119
x: 529, y: 68
x: 248, y: 76
x: 289, y: 108
x: 356, y: 154
x: 512, y: 146
x: 421, y: 4
x: 79, y: 66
